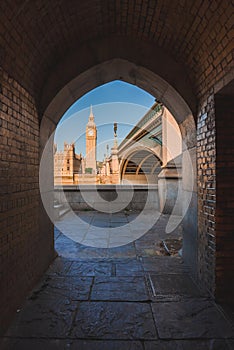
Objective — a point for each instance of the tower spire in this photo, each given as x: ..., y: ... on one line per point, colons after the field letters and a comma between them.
x: 91, y: 116
x: 91, y: 139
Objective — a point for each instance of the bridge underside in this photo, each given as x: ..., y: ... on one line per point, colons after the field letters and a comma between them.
x: 141, y: 167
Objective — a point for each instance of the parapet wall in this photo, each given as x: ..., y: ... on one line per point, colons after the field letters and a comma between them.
x: 108, y: 197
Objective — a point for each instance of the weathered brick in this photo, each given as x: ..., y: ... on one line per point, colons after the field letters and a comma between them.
x: 19, y: 197
x: 206, y: 183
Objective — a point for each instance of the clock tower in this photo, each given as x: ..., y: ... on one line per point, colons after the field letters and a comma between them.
x: 91, y: 143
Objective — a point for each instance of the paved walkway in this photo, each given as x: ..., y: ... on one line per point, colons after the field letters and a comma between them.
x: 121, y: 298
x: 103, y: 230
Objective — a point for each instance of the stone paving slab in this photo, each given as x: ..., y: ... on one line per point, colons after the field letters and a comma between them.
x: 118, y: 225
x: 58, y: 344
x: 57, y: 233
x: 44, y: 317
x: 164, y: 265
x: 190, y: 319
x: 77, y: 236
x: 120, y: 231
x: 67, y: 226
x: 75, y: 251
x: 121, y: 237
x: 71, y: 344
x: 74, y: 288
x: 101, y: 299
x: 90, y: 253
x: 119, y: 219
x: 213, y: 344
x: 97, y: 242
x: 100, y: 223
x: 174, y: 287
x: 80, y: 232
x: 114, y: 320
x: 90, y: 269
x: 60, y: 266
x: 129, y: 268
x: 85, y: 219
x: 119, y: 288
x: 143, y: 226
x: 67, y: 248
x: 94, y: 233
x: 125, y: 251
x: 147, y: 239
x: 147, y: 250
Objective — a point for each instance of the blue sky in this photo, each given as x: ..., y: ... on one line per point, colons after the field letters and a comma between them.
x: 116, y: 101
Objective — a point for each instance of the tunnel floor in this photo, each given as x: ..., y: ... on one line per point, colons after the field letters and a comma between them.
x: 123, y: 298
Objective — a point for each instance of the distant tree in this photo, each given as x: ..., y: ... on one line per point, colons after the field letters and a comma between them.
x: 88, y: 170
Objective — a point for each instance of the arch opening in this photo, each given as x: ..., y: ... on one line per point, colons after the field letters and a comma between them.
x: 152, y: 83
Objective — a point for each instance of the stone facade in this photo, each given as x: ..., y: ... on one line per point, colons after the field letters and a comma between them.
x: 66, y: 165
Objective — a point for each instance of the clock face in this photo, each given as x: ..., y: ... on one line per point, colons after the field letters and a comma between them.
x: 90, y: 132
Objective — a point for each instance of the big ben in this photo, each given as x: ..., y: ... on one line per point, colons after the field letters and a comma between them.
x: 91, y: 143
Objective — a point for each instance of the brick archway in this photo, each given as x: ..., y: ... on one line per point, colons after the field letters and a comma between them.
x: 119, y: 57
x: 161, y: 89
x: 132, y: 73
x: 182, y: 53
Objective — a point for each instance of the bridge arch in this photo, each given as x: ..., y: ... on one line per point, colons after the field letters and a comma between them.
x: 140, y: 167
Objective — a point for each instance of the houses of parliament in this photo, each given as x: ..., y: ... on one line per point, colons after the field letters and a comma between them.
x: 73, y: 169
x: 147, y: 149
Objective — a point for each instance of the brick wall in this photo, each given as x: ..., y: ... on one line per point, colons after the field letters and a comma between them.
x: 224, y: 108
x: 215, y: 130
x: 196, y: 33
x: 20, y: 239
x: 206, y: 161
